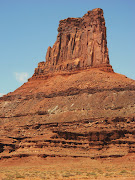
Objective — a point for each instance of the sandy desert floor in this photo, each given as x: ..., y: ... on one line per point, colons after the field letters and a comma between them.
x: 52, y: 168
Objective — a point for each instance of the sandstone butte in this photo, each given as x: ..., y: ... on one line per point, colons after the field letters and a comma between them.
x: 73, y: 107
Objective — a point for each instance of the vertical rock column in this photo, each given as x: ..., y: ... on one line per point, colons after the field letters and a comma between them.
x: 81, y: 43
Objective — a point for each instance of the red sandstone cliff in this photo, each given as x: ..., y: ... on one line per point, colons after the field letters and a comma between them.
x: 69, y: 108
x: 81, y: 43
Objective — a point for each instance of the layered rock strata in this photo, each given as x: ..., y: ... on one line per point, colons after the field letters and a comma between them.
x: 87, y: 113
x: 81, y: 43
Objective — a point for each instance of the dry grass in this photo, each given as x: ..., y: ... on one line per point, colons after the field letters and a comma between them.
x: 65, y: 168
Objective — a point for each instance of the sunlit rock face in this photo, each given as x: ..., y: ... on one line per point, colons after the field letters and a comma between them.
x: 72, y: 107
x: 81, y: 43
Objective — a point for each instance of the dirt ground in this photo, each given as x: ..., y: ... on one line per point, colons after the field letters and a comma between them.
x: 60, y: 168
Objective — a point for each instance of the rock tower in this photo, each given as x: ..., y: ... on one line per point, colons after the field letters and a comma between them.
x: 81, y: 43
x: 72, y: 110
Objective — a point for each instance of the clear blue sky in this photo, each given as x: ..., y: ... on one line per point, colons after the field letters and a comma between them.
x: 28, y: 27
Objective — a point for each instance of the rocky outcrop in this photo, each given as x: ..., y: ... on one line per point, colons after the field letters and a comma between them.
x: 66, y: 112
x: 81, y: 43
x: 92, y: 138
x: 87, y: 114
